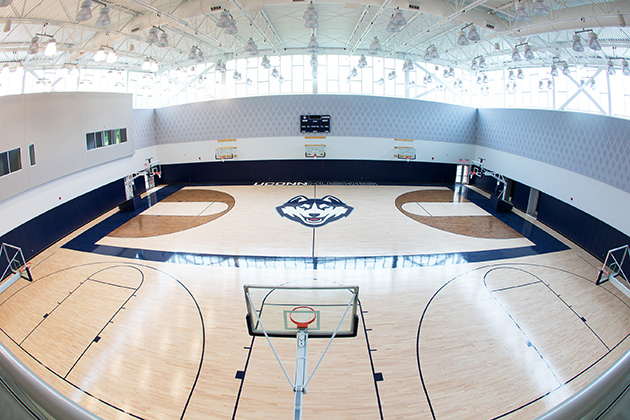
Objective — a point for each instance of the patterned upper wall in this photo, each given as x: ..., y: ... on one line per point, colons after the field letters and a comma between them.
x: 592, y: 145
x: 144, y: 127
x: 352, y: 116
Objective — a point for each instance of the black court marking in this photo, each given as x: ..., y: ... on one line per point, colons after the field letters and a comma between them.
x: 203, y: 334
x: 378, y: 377
x: 424, y: 312
x: 367, y: 342
x: 514, y: 287
x: 240, y: 374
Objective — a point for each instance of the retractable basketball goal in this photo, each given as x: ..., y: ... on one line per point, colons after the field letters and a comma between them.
x: 300, y: 312
x: 612, y: 269
x: 14, y: 266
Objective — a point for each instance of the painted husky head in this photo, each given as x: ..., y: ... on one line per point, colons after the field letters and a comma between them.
x: 314, y: 212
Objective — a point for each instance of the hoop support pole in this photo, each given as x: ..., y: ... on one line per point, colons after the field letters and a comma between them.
x: 301, y: 371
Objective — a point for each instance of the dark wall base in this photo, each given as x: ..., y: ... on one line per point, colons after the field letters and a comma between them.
x: 44, y: 230
x: 311, y: 171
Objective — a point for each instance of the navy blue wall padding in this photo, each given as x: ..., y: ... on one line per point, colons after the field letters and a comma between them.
x: 139, y: 186
x: 521, y: 196
x: 310, y: 170
x: 44, y: 230
x: 587, y: 231
x: 486, y: 183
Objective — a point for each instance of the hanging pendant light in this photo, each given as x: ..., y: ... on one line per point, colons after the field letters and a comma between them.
x: 554, y: 70
x: 398, y: 18
x: 539, y: 8
x: 473, y: 35
x: 232, y: 29
x: 163, y: 42
x: 265, y: 63
x: 103, y: 18
x: 611, y: 68
x: 313, y: 60
x: 528, y: 54
x: 5, y: 3
x: 100, y: 55
x: 462, y: 39
x: 521, y: 13
x: 519, y: 74
x: 482, y: 62
x: 224, y: 20
x: 375, y: 47
x: 112, y: 57
x: 251, y: 48
x: 311, y: 12
x: 565, y: 69
x: 51, y: 47
x: 577, y: 44
x: 624, y: 68
x: 593, y: 43
x: 473, y: 65
x: 516, y: 56
x: 192, y: 55
x: 146, y: 64
x: 312, y: 46
x: 153, y: 36
x: 85, y: 11
x: 434, y: 52
x: 362, y: 62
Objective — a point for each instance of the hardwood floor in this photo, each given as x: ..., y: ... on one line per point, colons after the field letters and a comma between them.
x: 452, y: 326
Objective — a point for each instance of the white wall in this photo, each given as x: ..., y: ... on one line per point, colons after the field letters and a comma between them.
x: 276, y: 148
x: 56, y: 123
x: 596, y: 198
x: 35, y: 201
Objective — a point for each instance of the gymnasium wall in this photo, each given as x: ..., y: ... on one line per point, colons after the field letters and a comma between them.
x: 56, y: 124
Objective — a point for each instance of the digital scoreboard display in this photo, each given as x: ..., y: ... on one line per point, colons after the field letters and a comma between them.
x: 315, y: 123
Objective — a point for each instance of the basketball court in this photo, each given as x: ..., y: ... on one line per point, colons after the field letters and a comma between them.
x: 456, y: 311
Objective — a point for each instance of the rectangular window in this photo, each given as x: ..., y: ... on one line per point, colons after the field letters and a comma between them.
x: 99, y: 138
x: 31, y: 154
x: 4, y: 163
x: 90, y: 140
x: 123, y: 135
x: 107, y: 137
x: 15, y: 160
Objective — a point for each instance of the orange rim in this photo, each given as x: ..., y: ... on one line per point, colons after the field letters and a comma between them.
x: 302, y: 324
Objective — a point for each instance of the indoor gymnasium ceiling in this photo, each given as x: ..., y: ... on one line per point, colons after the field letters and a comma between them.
x: 278, y: 28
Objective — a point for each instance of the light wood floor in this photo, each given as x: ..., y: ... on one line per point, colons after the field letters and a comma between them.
x: 140, y: 339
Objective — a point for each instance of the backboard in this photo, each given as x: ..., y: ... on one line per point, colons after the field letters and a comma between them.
x: 270, y: 309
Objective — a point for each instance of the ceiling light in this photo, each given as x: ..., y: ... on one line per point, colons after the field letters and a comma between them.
x: 392, y: 75
x: 375, y: 47
x: 224, y: 20
x: 100, y: 55
x: 232, y: 29
x: 528, y: 54
x: 611, y: 68
x: 311, y: 12
x: 314, y: 60
x: 451, y: 72
x: 192, y: 55
x: 103, y: 17
x: 265, y: 63
x: 398, y: 18
x: 622, y: 21
x: 163, y: 42
x: 485, y: 78
x: 354, y: 72
x: 577, y: 44
x: 482, y: 62
x: 146, y: 64
x: 251, y: 48
x: 220, y: 67
x: 410, y: 65
x: 153, y: 36
x: 478, y: 80
x: 112, y: 57
x: 85, y: 12
x: 434, y: 52
x: 565, y: 69
x: 200, y: 57
x: 34, y: 47
x: 461, y: 38
x: 593, y: 43
x: 516, y: 56
x: 362, y: 62
x: 473, y: 65
x: 519, y: 74
x: 51, y: 47
x: 5, y: 3
x: 427, y: 55
x: 311, y: 23
x: 281, y: 80
x: 473, y: 35
x: 445, y: 74
x: 237, y: 75
x: 624, y: 68
x: 539, y: 8
x: 154, y: 66
x: 312, y: 46
x: 511, y: 75
x: 554, y: 70
x: 275, y: 73
x: 391, y: 27
x: 521, y: 13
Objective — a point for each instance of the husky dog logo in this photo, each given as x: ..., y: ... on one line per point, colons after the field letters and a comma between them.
x: 314, y: 212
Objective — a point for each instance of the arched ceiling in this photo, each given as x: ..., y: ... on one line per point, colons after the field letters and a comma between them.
x: 277, y: 27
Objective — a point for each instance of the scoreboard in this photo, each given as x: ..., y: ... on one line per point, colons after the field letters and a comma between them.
x: 315, y: 123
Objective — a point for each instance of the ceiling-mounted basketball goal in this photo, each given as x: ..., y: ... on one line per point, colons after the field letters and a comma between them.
x: 300, y: 312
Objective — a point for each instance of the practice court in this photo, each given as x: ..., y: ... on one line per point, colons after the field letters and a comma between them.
x: 464, y: 312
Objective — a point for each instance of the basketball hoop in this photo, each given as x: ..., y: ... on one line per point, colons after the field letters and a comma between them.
x: 25, y: 271
x: 305, y: 317
x: 603, y: 269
